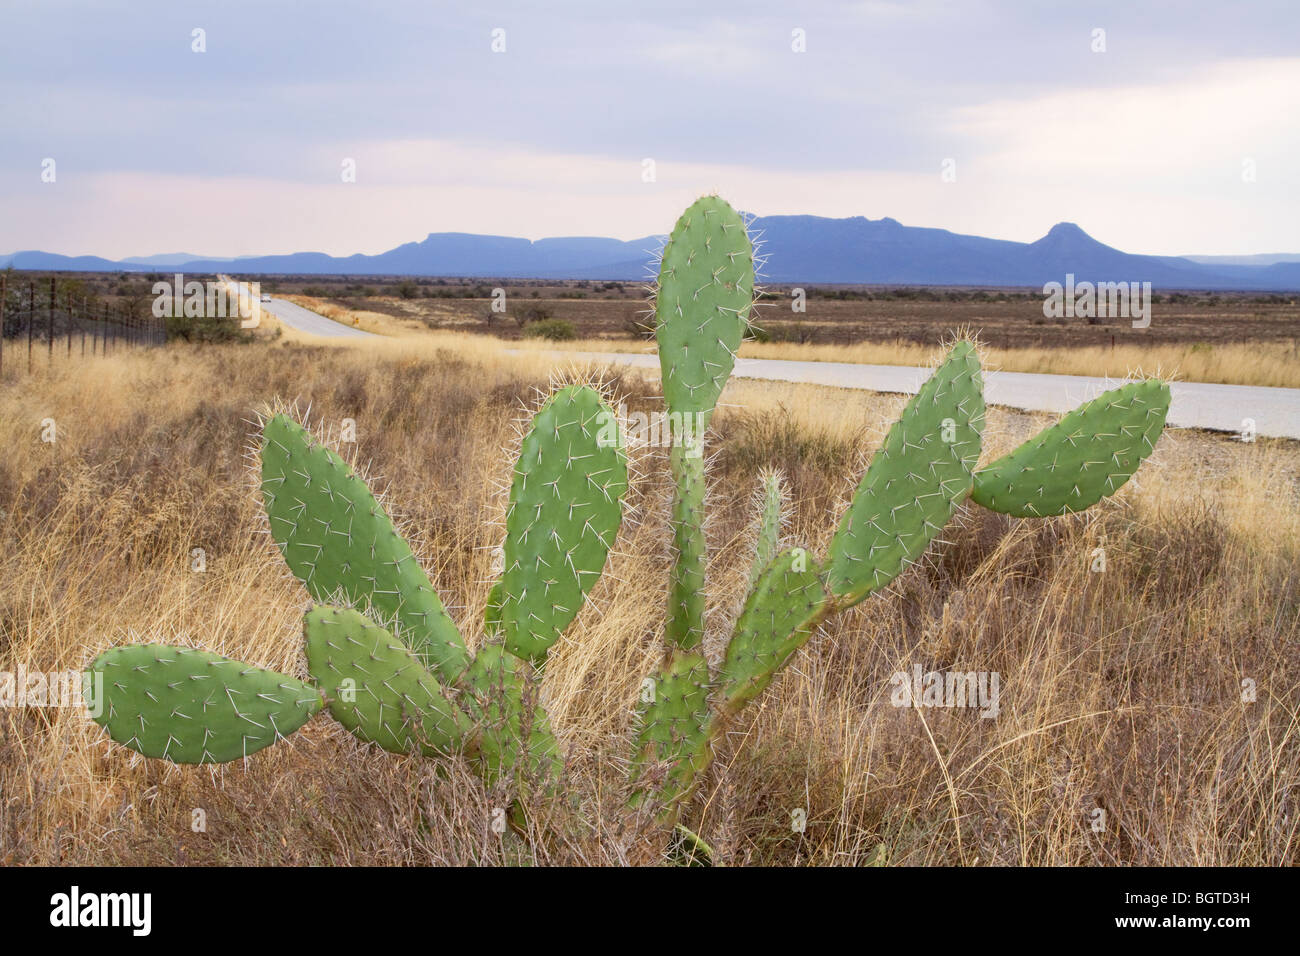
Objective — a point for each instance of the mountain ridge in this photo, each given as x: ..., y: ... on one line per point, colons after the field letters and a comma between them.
x: 851, y: 250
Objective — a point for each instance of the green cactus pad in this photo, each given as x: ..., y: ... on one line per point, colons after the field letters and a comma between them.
x: 191, y: 706
x: 686, y: 599
x: 377, y: 688
x: 502, y: 704
x: 673, y: 742
x: 1081, y: 459
x: 338, y: 541
x: 706, y: 287
x: 777, y: 620
x: 565, y: 511
x: 772, y: 497
x: 915, y: 481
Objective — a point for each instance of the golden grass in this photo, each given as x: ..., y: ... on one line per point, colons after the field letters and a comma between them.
x: 1120, y: 690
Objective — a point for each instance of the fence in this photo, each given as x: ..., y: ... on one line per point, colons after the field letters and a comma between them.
x: 36, y: 318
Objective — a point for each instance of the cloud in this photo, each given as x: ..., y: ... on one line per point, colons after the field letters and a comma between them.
x: 1142, y: 144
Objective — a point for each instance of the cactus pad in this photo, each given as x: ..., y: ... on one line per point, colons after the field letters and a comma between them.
x: 915, y: 481
x: 673, y: 742
x: 686, y: 598
x: 338, y: 541
x: 503, y: 703
x: 706, y: 287
x: 191, y: 706
x: 565, y: 511
x: 377, y: 688
x: 772, y: 498
x: 1081, y: 459
x: 777, y: 620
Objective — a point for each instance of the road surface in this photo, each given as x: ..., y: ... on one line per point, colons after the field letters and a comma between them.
x: 305, y: 320
x: 1274, y: 411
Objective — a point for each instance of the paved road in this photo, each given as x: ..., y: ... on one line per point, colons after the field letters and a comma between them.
x: 305, y: 320
x: 1276, y: 411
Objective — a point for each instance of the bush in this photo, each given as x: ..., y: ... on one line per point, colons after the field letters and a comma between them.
x: 557, y: 330
x: 205, y: 329
x: 408, y: 290
x: 533, y: 313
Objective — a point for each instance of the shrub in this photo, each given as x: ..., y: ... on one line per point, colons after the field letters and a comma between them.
x: 557, y: 330
x: 181, y: 328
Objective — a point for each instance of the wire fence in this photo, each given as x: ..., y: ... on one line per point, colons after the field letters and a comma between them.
x: 40, y: 322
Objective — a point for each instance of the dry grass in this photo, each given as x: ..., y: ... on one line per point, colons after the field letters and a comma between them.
x: 1120, y: 690
x: 1236, y: 341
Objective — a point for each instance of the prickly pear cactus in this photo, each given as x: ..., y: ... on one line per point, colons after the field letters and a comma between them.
x: 338, y: 541
x: 706, y: 288
x: 391, y: 665
x: 565, y: 511
x: 915, y: 481
x: 377, y: 688
x: 772, y: 498
x: 673, y: 741
x: 1081, y: 459
x: 923, y: 472
x: 192, y: 706
x: 784, y: 604
x: 702, y: 304
x: 516, y: 747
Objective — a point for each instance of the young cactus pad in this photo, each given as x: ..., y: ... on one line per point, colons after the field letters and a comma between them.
x: 915, y: 481
x: 377, y: 688
x: 337, y: 540
x: 772, y: 500
x: 706, y: 288
x: 1081, y: 459
x: 565, y: 511
x: 191, y: 706
x: 786, y: 602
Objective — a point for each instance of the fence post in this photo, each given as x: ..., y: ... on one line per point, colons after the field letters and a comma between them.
x: 85, y: 311
x: 69, y: 325
x: 50, y: 329
x: 31, y: 321
x: 4, y: 294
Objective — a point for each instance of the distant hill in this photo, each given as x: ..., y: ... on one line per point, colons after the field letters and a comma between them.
x: 1264, y: 259
x: 810, y: 249
x: 166, y: 259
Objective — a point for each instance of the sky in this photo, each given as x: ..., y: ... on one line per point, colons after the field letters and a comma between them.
x: 346, y: 127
